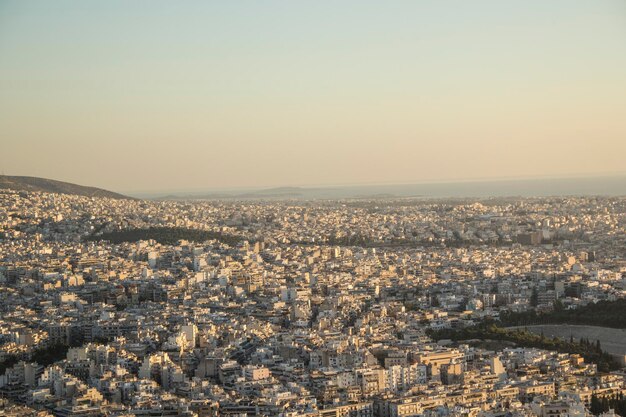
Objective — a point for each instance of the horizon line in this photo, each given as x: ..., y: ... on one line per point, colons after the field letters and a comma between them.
x: 199, y: 190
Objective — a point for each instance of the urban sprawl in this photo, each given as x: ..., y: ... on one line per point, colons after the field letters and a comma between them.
x: 354, y: 308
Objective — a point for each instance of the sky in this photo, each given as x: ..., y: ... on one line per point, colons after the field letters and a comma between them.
x: 200, y: 95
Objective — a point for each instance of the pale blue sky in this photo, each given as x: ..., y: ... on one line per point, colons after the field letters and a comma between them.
x: 149, y: 95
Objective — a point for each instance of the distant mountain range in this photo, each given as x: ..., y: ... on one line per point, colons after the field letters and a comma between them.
x: 285, y: 193
x: 45, y: 185
x: 538, y: 187
x: 270, y: 193
x: 535, y: 187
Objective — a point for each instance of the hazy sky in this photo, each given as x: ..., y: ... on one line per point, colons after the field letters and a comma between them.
x: 154, y: 95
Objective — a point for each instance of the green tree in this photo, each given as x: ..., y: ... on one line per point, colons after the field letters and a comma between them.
x: 534, y: 297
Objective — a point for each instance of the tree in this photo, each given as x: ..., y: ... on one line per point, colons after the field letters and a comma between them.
x: 558, y: 306
x: 596, y: 406
x: 434, y: 301
x: 534, y: 297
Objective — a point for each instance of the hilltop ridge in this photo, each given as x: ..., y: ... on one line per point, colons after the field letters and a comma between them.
x: 22, y: 183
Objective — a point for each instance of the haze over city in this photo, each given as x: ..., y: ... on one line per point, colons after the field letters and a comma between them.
x: 153, y: 96
x: 313, y: 208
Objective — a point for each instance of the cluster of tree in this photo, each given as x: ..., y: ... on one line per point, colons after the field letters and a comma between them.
x: 43, y: 356
x: 602, y: 313
x: 604, y: 404
x: 592, y: 352
x: 166, y: 235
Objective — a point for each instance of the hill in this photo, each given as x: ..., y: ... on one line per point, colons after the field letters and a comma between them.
x: 45, y: 185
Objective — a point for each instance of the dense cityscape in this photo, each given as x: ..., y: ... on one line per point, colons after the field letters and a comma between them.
x: 360, y: 307
x: 312, y: 208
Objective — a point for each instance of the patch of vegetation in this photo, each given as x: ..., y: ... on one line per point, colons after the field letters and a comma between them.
x: 49, y: 355
x: 603, y: 313
x: 602, y: 405
x: 8, y: 362
x: 166, y: 235
x: 592, y: 352
x: 494, y: 345
x: 43, y: 356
